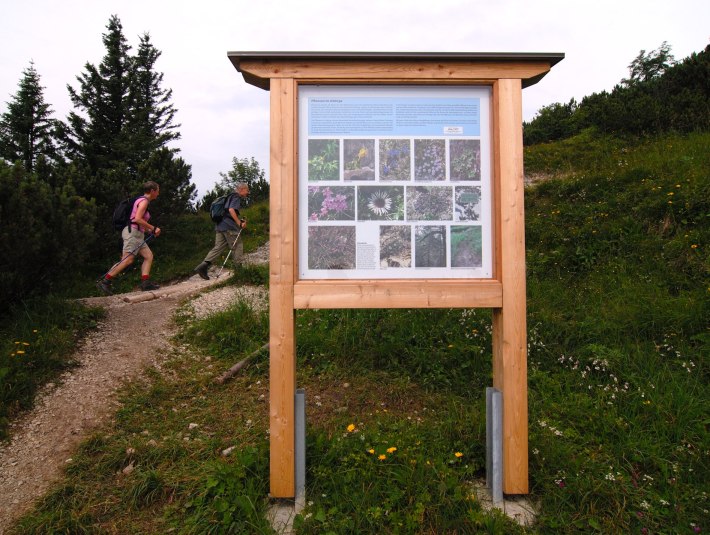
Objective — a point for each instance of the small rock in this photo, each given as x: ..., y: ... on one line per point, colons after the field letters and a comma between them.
x: 193, y: 426
x: 346, y: 385
x: 227, y: 451
x: 152, y: 442
x: 262, y: 398
x: 128, y: 469
x: 130, y: 451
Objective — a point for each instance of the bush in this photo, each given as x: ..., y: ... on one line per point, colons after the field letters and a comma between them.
x: 45, y: 233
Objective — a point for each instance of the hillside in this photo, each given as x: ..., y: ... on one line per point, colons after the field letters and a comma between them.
x: 618, y: 308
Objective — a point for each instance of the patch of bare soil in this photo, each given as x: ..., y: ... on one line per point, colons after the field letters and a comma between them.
x: 134, y: 335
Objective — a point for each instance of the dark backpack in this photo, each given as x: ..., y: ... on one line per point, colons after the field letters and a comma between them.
x: 122, y: 212
x: 218, y: 208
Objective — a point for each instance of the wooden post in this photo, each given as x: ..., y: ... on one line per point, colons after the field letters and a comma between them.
x: 509, y: 322
x: 283, y: 266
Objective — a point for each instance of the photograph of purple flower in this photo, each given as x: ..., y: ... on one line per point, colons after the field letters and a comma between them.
x: 380, y: 203
x: 467, y: 203
x: 395, y: 246
x: 466, y: 246
x: 359, y: 158
x: 331, y: 203
x: 331, y: 247
x: 465, y: 157
x: 323, y: 159
x: 395, y: 159
x: 429, y: 203
x: 429, y: 159
x: 430, y: 246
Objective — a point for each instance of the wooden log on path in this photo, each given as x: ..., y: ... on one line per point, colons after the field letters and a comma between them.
x: 231, y: 372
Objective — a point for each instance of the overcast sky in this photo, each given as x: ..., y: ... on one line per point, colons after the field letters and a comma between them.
x: 223, y: 117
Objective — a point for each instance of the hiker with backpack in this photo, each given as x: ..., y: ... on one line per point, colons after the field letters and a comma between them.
x: 229, y: 224
x: 136, y: 233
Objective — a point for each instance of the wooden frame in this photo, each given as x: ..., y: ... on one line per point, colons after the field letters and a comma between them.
x: 506, y: 74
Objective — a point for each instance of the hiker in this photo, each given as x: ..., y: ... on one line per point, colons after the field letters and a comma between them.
x: 135, y: 241
x: 227, y: 232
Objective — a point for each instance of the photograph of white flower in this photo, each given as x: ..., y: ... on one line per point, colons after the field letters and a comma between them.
x: 380, y: 203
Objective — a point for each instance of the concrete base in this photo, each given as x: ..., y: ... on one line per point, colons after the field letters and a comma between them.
x: 518, y: 508
x: 281, y: 514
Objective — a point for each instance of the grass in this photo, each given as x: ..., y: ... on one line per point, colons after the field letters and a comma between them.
x: 618, y: 308
x: 38, y: 335
x: 37, y: 339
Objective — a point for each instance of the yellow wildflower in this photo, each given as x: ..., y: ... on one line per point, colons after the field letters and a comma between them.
x: 391, y: 450
x: 351, y: 428
x: 382, y: 457
x: 371, y: 451
x: 458, y: 454
x: 19, y: 352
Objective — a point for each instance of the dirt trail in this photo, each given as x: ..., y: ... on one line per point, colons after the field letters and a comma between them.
x: 131, y: 337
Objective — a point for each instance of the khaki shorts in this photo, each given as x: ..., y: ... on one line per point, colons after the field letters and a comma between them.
x: 132, y: 241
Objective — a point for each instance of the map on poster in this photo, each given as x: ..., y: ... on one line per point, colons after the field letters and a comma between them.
x: 394, y: 182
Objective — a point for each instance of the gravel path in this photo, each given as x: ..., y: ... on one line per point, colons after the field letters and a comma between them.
x: 131, y: 337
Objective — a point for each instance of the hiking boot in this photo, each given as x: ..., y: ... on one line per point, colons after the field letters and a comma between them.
x: 105, y: 286
x: 148, y: 285
x: 201, y: 270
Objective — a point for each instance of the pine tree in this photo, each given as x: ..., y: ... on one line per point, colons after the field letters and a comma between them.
x: 98, y: 136
x: 124, y: 116
x: 27, y: 130
x: 151, y: 123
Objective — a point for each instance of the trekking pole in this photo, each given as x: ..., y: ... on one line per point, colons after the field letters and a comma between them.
x: 133, y: 252
x: 230, y: 252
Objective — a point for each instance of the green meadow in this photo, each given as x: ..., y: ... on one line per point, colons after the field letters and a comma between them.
x: 617, y: 235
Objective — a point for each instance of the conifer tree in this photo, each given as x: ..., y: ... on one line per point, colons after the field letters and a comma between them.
x: 27, y: 129
x: 124, y: 116
x: 98, y: 137
x: 151, y: 123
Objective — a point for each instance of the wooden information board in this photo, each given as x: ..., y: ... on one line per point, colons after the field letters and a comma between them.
x: 411, y: 167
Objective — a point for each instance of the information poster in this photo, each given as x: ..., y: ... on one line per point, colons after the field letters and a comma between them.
x: 394, y: 182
